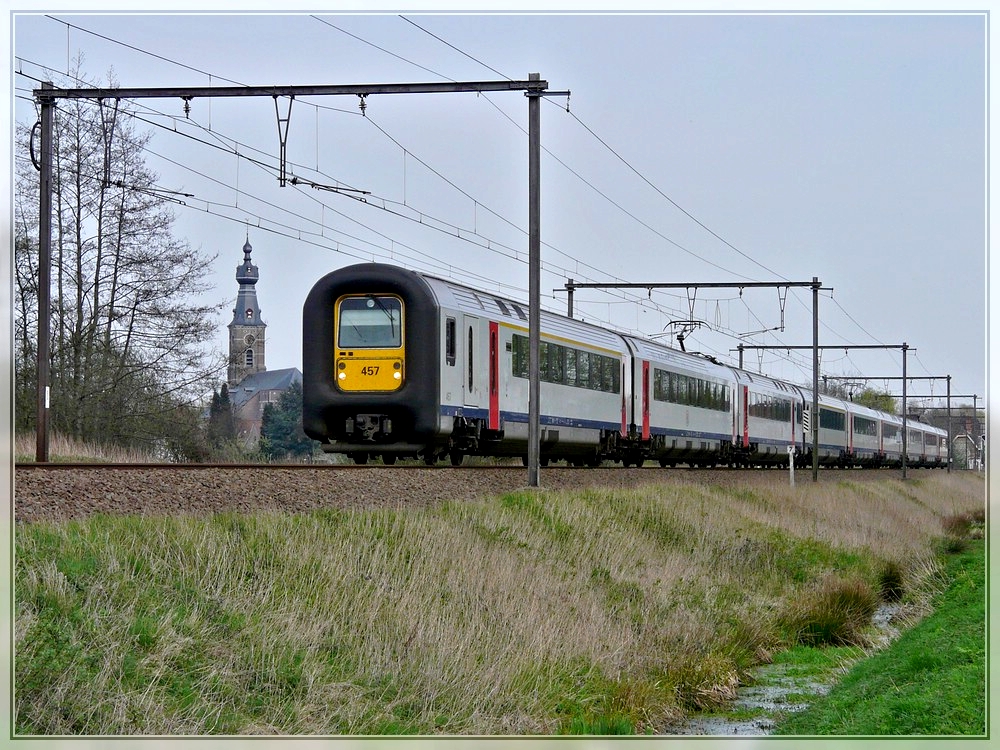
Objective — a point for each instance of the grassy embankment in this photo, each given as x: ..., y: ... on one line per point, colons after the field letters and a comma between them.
x: 596, y: 612
x: 932, y: 680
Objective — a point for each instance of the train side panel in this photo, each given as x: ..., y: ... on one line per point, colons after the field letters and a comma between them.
x: 683, y: 407
x: 768, y: 418
x: 484, y: 365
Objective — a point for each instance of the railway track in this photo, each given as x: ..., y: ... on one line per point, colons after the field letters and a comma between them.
x: 58, y: 492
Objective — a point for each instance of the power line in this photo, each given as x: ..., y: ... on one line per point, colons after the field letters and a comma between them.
x: 601, y: 193
x: 562, y: 163
x: 452, y: 46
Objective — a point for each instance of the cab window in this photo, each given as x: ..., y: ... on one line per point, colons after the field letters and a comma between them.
x: 372, y: 322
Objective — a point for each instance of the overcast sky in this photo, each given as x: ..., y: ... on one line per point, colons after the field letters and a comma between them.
x: 697, y: 148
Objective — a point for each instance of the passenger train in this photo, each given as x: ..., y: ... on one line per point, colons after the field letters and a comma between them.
x: 401, y: 364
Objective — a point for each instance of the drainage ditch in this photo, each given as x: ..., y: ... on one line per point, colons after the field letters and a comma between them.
x: 779, y: 689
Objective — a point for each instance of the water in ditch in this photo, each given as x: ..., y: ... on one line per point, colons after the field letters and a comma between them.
x: 776, y: 691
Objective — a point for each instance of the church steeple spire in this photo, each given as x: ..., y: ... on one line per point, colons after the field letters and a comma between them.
x: 247, y: 312
x: 246, y: 331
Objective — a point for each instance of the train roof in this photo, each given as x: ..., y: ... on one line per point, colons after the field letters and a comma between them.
x: 459, y: 297
x: 693, y: 363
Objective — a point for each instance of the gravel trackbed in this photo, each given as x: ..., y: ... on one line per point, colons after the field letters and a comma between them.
x: 55, y: 494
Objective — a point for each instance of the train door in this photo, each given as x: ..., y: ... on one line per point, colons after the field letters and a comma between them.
x: 494, y: 386
x: 746, y: 416
x: 645, y: 399
x: 470, y: 379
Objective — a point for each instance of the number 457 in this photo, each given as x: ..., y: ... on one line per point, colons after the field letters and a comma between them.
x: 370, y: 370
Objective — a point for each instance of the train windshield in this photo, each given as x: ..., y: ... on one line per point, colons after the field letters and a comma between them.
x: 372, y: 322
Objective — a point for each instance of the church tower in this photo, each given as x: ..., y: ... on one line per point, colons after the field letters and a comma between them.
x: 246, y: 332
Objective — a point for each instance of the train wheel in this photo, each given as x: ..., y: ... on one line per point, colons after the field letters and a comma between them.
x: 457, y: 458
x: 360, y: 458
x: 388, y: 458
x: 429, y: 457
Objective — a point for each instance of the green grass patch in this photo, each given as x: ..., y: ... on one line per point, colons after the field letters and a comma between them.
x: 932, y: 680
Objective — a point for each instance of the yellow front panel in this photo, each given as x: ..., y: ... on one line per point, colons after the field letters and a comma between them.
x: 371, y: 370
x: 370, y: 353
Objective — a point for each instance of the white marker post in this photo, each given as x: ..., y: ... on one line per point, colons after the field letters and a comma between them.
x: 791, y: 464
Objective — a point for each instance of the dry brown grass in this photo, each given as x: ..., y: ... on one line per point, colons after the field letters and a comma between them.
x: 63, y: 448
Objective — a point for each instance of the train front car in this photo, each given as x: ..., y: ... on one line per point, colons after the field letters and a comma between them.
x: 370, y: 376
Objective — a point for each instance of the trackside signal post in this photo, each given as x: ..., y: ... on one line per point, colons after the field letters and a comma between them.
x: 47, y: 95
x: 814, y: 285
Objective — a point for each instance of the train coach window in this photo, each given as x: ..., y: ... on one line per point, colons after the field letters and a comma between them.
x: 595, y: 373
x: 611, y: 378
x: 832, y: 420
x: 583, y: 369
x: 557, y: 360
x: 371, y: 321
x: 449, y: 341
x: 688, y: 390
x: 865, y: 426
x: 564, y: 365
x: 570, y: 371
x: 519, y: 356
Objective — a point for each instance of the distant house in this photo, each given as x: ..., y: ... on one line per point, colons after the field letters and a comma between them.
x: 251, y: 385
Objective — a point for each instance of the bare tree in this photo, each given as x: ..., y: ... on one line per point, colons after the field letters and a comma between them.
x: 128, y: 323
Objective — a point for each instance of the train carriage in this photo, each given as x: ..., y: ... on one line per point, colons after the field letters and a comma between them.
x: 933, y: 445
x: 916, y: 451
x: 936, y: 442
x: 832, y: 432
x: 582, y: 385
x: 891, y: 436
x: 683, y: 407
x: 768, y: 419
x: 396, y: 363
x: 864, y: 446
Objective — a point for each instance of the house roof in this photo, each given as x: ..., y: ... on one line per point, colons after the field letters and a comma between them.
x: 269, y: 380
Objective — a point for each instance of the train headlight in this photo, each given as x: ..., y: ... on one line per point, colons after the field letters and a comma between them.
x: 342, y: 375
x: 398, y: 375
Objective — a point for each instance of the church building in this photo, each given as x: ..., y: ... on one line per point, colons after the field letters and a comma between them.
x: 251, y: 384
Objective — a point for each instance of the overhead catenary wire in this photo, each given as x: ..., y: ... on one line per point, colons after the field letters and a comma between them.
x: 553, y: 270
x: 233, y: 149
x: 354, y: 36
